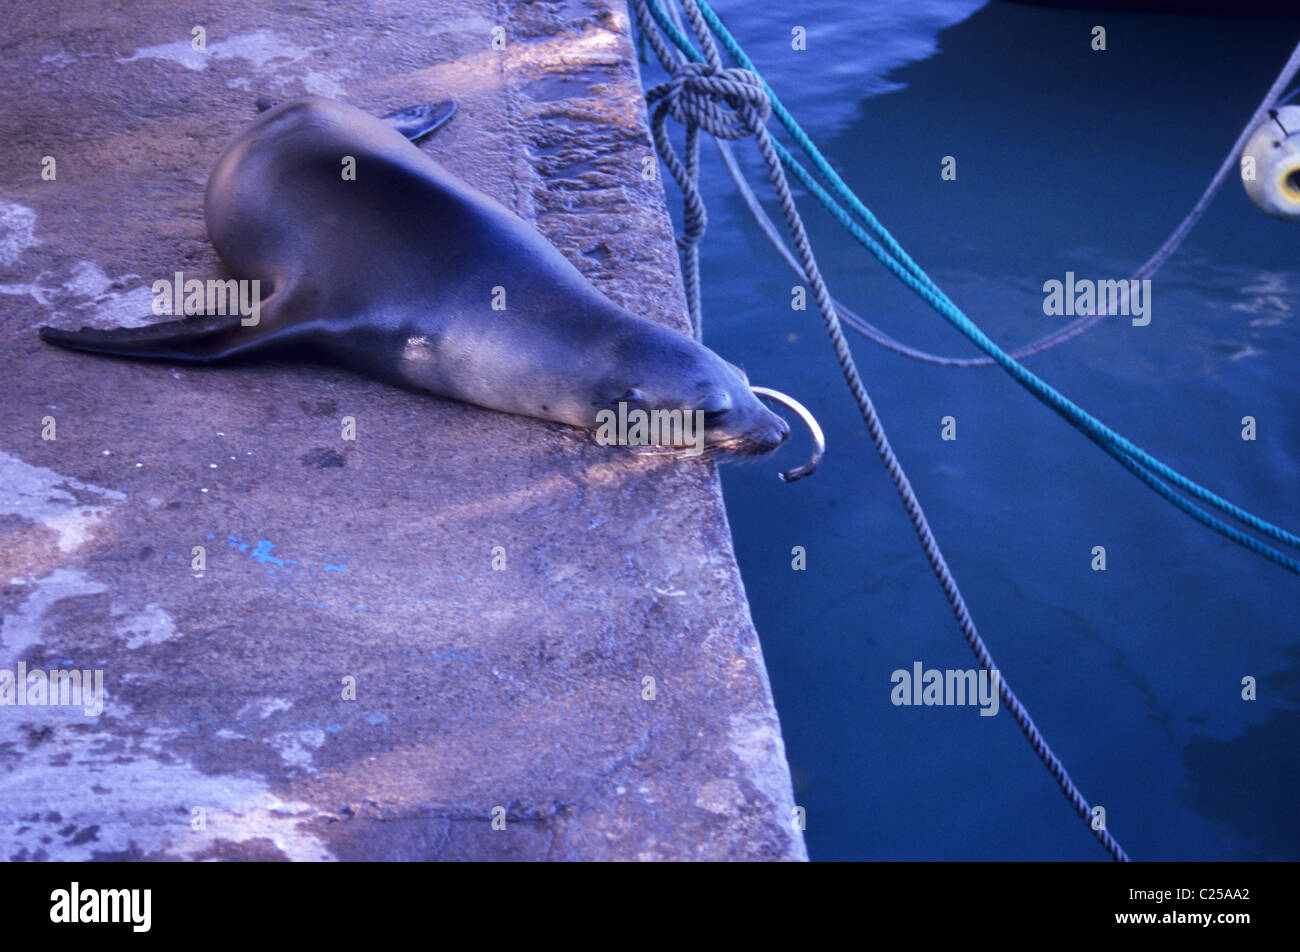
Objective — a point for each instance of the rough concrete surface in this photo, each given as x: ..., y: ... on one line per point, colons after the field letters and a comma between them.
x: 225, y: 731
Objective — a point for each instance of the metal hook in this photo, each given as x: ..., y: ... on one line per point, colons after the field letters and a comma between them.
x: 814, y: 430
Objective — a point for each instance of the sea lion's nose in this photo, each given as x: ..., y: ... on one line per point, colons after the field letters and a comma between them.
x: 780, y: 432
x: 772, y: 435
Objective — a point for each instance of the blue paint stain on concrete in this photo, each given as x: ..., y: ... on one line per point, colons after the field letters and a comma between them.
x: 263, y: 554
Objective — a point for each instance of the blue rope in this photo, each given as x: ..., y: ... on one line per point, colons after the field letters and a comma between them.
x: 1079, y: 418
x: 889, y: 253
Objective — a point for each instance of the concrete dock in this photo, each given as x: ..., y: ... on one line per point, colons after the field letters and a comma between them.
x: 459, y: 635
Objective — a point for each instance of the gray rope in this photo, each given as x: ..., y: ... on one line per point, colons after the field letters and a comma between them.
x: 692, y: 97
x: 696, y: 99
x: 846, y: 314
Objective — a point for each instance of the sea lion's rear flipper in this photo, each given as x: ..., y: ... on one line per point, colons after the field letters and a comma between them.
x: 197, y: 339
x: 416, y: 122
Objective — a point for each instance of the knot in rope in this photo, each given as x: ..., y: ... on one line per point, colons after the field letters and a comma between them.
x: 726, y: 103
x: 697, y: 92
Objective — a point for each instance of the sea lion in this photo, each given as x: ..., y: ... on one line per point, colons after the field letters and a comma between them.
x: 404, y: 273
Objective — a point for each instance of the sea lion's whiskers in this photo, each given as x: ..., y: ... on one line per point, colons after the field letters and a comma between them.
x: 673, y: 451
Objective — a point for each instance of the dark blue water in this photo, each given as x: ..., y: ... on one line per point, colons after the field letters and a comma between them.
x: 1068, y: 160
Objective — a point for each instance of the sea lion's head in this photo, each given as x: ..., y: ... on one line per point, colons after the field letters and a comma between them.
x: 664, y: 376
x: 737, y: 423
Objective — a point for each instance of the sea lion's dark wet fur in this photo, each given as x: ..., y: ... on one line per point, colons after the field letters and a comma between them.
x: 393, y: 274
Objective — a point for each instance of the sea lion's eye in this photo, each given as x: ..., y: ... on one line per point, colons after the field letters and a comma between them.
x: 715, y: 405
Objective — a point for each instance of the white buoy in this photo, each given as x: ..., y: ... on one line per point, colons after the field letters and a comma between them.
x: 1270, y: 164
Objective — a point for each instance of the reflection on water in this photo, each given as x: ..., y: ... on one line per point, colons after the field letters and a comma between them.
x: 1068, y: 160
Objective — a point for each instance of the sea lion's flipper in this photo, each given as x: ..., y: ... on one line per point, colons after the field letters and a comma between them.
x: 416, y: 122
x: 196, y: 339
